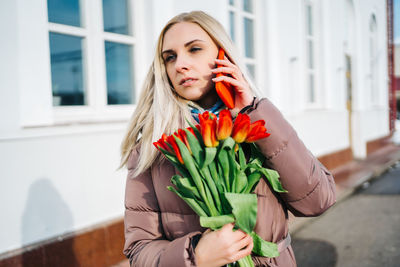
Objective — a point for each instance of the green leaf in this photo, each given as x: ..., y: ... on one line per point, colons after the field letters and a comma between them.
x: 244, y: 208
x: 228, y: 144
x: 210, y: 200
x: 264, y: 248
x: 223, y: 167
x: 196, y: 132
x: 178, y: 165
x: 185, y: 187
x: 210, y: 153
x: 191, y: 202
x: 242, y: 158
x: 213, y: 188
x: 273, y: 178
x: 216, y: 222
x: 245, y: 262
x: 252, y: 181
x: 197, y: 150
x: 240, y: 182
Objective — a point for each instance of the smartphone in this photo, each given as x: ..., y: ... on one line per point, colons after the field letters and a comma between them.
x: 224, y: 90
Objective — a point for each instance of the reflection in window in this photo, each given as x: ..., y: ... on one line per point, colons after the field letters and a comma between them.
x: 251, y: 70
x: 232, y: 2
x: 248, y: 37
x: 232, y: 24
x: 64, y: 12
x: 66, y: 70
x: 248, y: 5
x: 309, y: 15
x: 115, y: 14
x: 311, y: 83
x: 119, y: 73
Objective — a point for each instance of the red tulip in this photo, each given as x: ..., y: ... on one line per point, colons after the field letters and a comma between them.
x: 172, y: 142
x: 241, y: 128
x: 257, y: 131
x: 161, y: 143
x: 208, y: 122
x: 225, y: 124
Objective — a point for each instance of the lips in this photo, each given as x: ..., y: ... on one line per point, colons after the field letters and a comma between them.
x: 187, y: 81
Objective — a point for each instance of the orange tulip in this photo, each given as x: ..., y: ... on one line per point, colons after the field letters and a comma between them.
x: 257, y: 131
x: 241, y: 128
x: 208, y: 123
x: 182, y: 135
x: 225, y: 124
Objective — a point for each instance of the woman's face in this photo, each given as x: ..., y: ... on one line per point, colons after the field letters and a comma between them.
x: 189, y: 53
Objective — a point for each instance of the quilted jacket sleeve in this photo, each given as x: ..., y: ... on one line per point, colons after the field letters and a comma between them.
x: 145, y: 243
x: 311, y: 186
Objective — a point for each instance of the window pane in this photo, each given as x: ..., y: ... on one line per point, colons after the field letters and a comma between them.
x: 310, y: 47
x: 64, y: 12
x: 249, y: 37
x: 66, y: 70
x: 251, y: 70
x: 248, y: 5
x: 119, y: 73
x: 232, y: 2
x: 311, y: 88
x: 115, y: 14
x: 309, y: 16
x: 232, y: 24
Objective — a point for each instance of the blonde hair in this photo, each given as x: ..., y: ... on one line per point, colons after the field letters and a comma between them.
x: 160, y: 110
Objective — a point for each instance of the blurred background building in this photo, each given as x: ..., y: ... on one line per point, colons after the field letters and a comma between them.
x: 71, y: 72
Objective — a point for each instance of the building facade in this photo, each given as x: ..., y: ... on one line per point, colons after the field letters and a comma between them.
x: 71, y: 73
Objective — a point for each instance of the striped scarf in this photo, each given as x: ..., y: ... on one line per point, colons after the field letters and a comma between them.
x: 216, y: 108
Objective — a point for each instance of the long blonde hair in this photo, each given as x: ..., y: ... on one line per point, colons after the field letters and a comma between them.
x: 159, y: 109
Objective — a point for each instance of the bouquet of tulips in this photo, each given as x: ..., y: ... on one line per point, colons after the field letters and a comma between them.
x: 216, y: 178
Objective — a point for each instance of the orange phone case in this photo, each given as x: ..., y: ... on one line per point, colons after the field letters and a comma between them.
x: 224, y: 89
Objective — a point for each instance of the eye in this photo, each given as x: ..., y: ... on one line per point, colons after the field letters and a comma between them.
x: 195, y: 49
x: 169, y: 58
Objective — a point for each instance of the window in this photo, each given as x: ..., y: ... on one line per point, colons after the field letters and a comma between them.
x: 92, y: 48
x: 313, y: 94
x: 242, y: 30
x: 373, y: 62
x: 310, y: 53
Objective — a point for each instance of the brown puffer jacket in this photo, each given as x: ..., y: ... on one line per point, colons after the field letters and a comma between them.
x: 159, y: 225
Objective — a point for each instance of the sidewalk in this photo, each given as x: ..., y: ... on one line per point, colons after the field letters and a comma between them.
x: 348, y: 178
x: 351, y: 176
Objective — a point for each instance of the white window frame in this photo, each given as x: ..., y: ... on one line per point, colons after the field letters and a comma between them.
x: 316, y: 70
x: 96, y: 108
x: 239, y: 41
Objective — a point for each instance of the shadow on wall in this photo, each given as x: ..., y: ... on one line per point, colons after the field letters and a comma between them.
x: 312, y: 252
x: 45, y: 214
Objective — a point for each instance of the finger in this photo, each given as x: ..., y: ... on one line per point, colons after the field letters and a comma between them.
x: 227, y: 227
x: 229, y: 80
x: 227, y: 70
x: 244, y: 252
x: 225, y: 62
x: 242, y: 243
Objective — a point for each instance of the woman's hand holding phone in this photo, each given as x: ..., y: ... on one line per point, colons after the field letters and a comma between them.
x: 233, y: 90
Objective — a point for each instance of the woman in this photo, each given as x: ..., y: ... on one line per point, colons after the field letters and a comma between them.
x: 160, y: 229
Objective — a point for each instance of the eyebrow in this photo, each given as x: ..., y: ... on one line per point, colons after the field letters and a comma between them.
x: 186, y: 45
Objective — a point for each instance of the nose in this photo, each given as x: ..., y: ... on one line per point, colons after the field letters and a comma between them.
x: 181, y: 63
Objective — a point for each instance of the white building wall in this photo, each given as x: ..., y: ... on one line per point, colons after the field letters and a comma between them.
x: 59, y: 173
